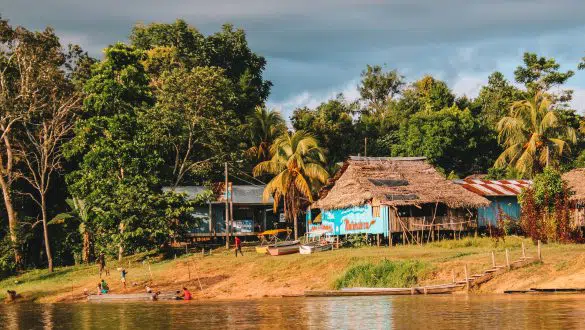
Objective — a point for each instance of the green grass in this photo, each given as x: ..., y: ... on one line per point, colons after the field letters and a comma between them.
x: 510, y: 242
x: 397, y: 274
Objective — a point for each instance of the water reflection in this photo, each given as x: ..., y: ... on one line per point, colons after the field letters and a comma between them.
x: 432, y: 312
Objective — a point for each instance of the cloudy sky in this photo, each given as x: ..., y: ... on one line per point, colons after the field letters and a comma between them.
x: 318, y: 48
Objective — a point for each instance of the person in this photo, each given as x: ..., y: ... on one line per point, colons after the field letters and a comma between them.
x: 99, y: 289
x: 102, y: 263
x: 123, y: 273
x: 186, y: 294
x: 104, y: 287
x: 148, y: 289
x: 238, y: 246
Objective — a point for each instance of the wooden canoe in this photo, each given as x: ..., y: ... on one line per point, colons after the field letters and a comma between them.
x: 433, y: 289
x: 282, y: 250
x: 122, y: 297
x: 312, y: 248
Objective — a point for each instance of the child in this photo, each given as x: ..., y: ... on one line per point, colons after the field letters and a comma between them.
x: 124, y: 272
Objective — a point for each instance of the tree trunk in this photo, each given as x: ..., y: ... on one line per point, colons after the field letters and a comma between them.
x: 295, y: 217
x: 86, y: 247
x: 12, y: 221
x: 46, y: 233
x: 120, y: 246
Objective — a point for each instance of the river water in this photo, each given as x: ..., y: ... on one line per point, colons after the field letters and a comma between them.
x: 397, y: 312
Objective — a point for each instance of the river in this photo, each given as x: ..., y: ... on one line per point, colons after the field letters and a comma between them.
x: 397, y: 312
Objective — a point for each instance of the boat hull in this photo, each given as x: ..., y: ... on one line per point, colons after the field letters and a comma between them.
x: 310, y: 249
x: 282, y: 250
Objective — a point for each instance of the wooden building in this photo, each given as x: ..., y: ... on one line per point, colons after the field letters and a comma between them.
x: 503, y: 197
x: 251, y: 215
x: 576, y: 181
x: 386, y: 195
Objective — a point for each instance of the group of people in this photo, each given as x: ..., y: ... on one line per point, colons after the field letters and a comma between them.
x: 103, y: 287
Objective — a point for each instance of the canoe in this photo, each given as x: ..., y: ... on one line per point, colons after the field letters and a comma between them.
x: 264, y: 249
x: 312, y: 248
x: 282, y: 250
x: 122, y: 297
x: 431, y: 289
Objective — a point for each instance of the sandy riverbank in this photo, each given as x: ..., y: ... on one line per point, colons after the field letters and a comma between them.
x: 223, y: 276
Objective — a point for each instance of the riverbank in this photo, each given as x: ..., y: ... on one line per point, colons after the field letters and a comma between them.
x: 223, y: 276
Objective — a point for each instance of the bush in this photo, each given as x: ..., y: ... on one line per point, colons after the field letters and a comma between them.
x: 384, y: 274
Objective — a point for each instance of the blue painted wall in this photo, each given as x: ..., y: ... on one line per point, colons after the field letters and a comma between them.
x: 354, y: 220
x: 508, y: 204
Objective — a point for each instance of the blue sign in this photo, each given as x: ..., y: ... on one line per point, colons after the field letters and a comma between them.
x: 354, y: 220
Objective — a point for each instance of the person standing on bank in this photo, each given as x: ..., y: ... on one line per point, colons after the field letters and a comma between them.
x: 238, y: 246
x: 123, y: 272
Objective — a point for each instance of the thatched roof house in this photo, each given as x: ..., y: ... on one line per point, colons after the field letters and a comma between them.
x: 393, y: 181
x: 576, y: 181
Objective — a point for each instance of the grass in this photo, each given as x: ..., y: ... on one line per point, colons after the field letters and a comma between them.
x: 388, y: 274
x: 224, y: 276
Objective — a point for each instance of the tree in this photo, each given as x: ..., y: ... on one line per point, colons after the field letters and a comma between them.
x: 495, y: 98
x: 117, y: 173
x: 331, y: 123
x: 41, y: 152
x: 378, y: 87
x: 534, y: 136
x: 183, y: 45
x: 296, y: 164
x: 264, y: 127
x: 540, y: 74
x: 192, y: 120
x: 32, y: 85
x: 426, y: 93
x: 451, y: 139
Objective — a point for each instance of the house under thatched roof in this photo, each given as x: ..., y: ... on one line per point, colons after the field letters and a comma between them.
x: 393, y: 181
x: 576, y: 181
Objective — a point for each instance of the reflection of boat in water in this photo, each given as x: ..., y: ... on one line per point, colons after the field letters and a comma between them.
x: 313, y: 247
x: 269, y: 238
x: 282, y: 248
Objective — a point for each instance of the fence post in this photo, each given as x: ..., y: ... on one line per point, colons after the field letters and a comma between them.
x: 493, y: 259
x: 539, y: 252
x: 523, y: 251
x: 453, y: 275
x: 507, y: 259
x: 466, y: 279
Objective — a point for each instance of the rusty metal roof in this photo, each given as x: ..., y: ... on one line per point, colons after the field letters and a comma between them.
x: 494, y: 187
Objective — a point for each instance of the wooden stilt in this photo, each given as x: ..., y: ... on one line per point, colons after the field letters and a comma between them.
x: 466, y: 279
x: 523, y: 251
x: 507, y: 259
x: 539, y: 252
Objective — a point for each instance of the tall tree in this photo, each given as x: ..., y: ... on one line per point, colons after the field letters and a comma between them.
x: 541, y: 74
x: 378, y: 87
x: 495, y: 98
x: 264, y: 126
x: 192, y: 121
x: 451, y: 139
x: 32, y: 86
x: 534, y: 136
x: 296, y: 164
x: 331, y: 123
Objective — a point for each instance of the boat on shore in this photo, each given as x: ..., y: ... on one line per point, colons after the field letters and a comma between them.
x: 283, y: 248
x: 313, y: 247
x: 269, y: 238
x: 431, y: 289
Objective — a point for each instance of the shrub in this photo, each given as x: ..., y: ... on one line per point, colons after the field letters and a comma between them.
x: 384, y: 274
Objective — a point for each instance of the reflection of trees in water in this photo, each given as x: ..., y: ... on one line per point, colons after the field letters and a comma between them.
x: 399, y: 312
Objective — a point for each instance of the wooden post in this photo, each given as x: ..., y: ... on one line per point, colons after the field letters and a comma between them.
x: 227, y: 210
x: 507, y: 259
x: 189, y: 270
x: 523, y: 251
x: 453, y: 275
x: 378, y: 239
x: 539, y: 252
x: 337, y: 241
x: 203, y: 252
x: 493, y: 259
x: 466, y: 279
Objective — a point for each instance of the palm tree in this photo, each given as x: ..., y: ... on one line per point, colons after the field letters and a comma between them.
x: 297, y: 165
x: 264, y: 126
x: 534, y: 135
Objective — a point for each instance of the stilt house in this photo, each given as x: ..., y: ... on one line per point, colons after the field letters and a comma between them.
x: 576, y: 181
x: 385, y: 195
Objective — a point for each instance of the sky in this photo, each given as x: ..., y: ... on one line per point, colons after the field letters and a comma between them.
x: 316, y: 49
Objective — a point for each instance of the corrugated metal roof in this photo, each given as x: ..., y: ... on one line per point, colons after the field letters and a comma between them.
x: 494, y: 187
x: 243, y: 194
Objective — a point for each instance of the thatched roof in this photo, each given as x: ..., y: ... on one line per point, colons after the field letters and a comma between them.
x: 576, y: 181
x: 393, y: 181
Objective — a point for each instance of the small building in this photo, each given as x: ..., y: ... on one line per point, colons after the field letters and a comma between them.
x: 576, y: 181
x: 503, y: 197
x: 251, y: 215
x: 385, y: 195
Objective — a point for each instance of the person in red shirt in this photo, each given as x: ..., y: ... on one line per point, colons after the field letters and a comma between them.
x: 186, y: 294
x: 238, y: 246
